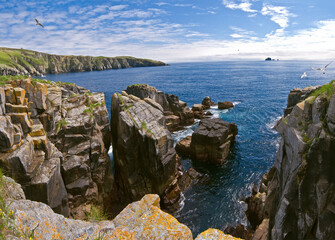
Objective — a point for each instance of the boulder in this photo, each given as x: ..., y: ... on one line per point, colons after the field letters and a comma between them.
x: 215, y: 234
x: 207, y: 102
x: 183, y: 147
x: 225, y: 105
x: 212, y: 139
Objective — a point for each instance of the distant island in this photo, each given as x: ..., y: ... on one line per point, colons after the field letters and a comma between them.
x: 271, y: 59
x: 28, y: 62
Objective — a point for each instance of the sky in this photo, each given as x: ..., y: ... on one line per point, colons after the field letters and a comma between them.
x: 175, y: 30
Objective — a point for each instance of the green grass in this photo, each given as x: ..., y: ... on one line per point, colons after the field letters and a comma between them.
x: 326, y: 90
x: 60, y: 124
x: 145, y: 128
x: 96, y: 214
x: 6, y: 79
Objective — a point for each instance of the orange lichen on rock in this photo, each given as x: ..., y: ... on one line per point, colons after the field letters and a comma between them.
x: 215, y: 234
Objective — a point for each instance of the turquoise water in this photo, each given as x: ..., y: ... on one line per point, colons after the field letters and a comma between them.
x: 258, y: 88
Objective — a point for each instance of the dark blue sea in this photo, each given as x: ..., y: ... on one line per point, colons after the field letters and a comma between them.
x: 259, y: 90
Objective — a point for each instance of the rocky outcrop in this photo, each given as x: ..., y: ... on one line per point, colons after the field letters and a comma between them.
x: 210, y: 142
x: 139, y: 220
x: 176, y: 112
x: 225, y: 105
x: 296, y: 197
x: 27, y: 62
x: 53, y: 143
x: 144, y: 157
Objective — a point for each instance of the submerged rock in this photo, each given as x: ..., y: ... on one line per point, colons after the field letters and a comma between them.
x: 295, y: 197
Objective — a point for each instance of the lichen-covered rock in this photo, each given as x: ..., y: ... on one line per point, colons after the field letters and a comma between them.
x: 177, y: 113
x: 144, y: 158
x: 139, y: 220
x: 55, y: 139
x: 297, y: 194
x: 11, y: 190
x: 215, y: 234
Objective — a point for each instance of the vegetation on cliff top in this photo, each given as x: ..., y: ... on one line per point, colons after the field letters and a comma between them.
x: 22, y: 61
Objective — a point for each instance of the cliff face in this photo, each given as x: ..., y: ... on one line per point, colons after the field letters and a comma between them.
x: 54, y: 142
x: 296, y: 198
x: 25, y: 62
x: 144, y: 157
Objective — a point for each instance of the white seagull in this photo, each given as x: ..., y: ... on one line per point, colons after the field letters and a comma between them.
x: 323, y: 69
x: 303, y: 75
x: 38, y: 23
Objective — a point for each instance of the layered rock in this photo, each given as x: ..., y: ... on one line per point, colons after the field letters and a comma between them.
x: 27, y: 62
x: 296, y: 197
x: 176, y: 112
x: 144, y: 157
x: 210, y: 142
x: 53, y: 143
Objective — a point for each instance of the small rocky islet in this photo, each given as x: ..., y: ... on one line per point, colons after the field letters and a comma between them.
x: 55, y: 139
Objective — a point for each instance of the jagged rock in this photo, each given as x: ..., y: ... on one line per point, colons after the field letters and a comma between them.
x: 262, y: 231
x: 207, y: 102
x: 331, y: 115
x: 239, y: 231
x: 212, y: 139
x: 139, y: 220
x: 59, y: 131
x: 7, y: 133
x: 296, y: 195
x: 183, y: 147
x: 2, y: 101
x: 225, y: 105
x: 177, y: 113
x: 215, y: 234
x: 11, y: 190
x: 144, y: 158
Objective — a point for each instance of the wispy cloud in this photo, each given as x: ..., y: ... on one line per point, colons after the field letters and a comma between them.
x: 278, y: 14
x: 243, y: 5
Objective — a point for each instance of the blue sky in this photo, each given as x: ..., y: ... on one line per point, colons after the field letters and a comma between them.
x: 175, y: 30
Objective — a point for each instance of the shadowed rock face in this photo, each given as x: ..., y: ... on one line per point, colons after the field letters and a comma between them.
x: 176, y: 112
x: 296, y: 197
x: 144, y: 157
x: 53, y: 143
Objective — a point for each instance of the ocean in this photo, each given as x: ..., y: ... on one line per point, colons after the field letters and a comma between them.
x: 259, y: 90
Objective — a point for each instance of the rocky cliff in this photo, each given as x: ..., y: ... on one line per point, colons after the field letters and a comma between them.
x: 27, y: 62
x: 24, y: 219
x: 54, y: 140
x: 296, y: 198
x: 145, y: 160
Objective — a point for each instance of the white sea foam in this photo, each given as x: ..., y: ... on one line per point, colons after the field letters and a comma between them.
x: 272, y: 123
x: 236, y: 103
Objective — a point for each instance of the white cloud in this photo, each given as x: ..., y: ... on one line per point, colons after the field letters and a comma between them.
x: 245, y: 5
x: 279, y: 14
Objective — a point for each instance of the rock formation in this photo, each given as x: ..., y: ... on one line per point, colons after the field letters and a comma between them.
x: 210, y: 142
x: 139, y: 220
x: 53, y: 139
x: 225, y: 105
x: 176, y: 112
x: 207, y: 102
x: 145, y: 160
x: 25, y: 62
x: 296, y: 198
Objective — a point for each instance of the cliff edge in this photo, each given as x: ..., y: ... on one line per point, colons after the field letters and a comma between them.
x: 28, y: 62
x: 296, y: 198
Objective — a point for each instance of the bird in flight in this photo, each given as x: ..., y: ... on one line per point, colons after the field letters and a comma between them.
x: 38, y: 23
x: 303, y: 75
x: 323, y: 69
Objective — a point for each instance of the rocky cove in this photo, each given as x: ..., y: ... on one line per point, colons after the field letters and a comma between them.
x: 55, y: 142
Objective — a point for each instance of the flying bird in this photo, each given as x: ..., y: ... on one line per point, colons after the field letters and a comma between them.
x: 38, y: 23
x: 323, y: 69
x: 303, y: 75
